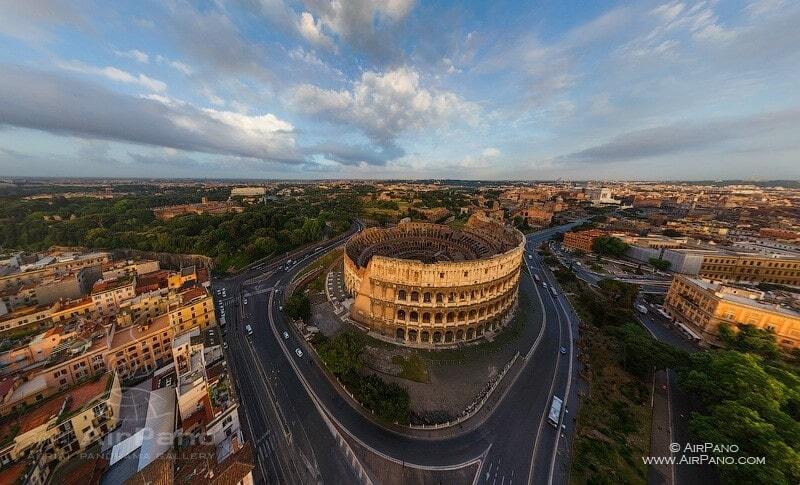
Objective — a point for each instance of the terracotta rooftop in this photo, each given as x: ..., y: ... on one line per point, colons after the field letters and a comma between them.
x: 81, y: 395
x: 102, y: 286
x: 124, y: 336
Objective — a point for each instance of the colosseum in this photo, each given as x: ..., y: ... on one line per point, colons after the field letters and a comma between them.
x: 430, y: 285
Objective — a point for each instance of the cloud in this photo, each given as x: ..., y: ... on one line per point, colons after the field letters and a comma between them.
x: 30, y: 20
x: 177, y: 65
x: 383, y: 106
x: 685, y: 137
x: 114, y: 74
x: 211, y: 40
x: 311, y: 30
x: 365, y: 25
x: 134, y: 54
x: 63, y: 105
x: 357, y: 155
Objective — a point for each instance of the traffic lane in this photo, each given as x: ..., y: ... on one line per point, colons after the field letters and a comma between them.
x: 548, y: 433
x: 302, y: 415
x: 256, y: 426
x: 515, y: 424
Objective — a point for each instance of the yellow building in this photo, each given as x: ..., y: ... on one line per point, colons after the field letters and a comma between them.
x: 751, y: 268
x: 193, y: 308
x: 66, y: 424
x: 703, y: 306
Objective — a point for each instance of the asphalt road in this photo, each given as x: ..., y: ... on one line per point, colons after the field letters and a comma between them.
x: 280, y: 390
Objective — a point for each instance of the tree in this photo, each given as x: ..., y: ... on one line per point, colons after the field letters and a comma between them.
x: 342, y: 353
x: 609, y: 246
x: 298, y: 306
x: 752, y: 405
x: 660, y: 264
x: 750, y: 339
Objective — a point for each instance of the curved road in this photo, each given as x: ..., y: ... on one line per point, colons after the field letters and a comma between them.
x: 515, y: 443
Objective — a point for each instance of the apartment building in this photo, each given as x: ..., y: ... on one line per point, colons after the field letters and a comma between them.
x: 702, y: 307
x: 62, y: 426
x: 582, y: 240
x: 194, y: 307
x: 109, y: 295
x: 751, y: 268
x: 23, y: 316
x: 53, y: 265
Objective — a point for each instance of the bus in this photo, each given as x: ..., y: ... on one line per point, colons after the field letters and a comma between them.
x: 555, y: 411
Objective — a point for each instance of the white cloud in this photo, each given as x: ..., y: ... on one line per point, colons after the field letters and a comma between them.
x: 385, y: 105
x: 134, y: 54
x: 114, y: 74
x: 311, y: 30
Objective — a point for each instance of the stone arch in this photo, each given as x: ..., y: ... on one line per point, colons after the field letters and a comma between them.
x: 426, y: 297
x: 401, y: 295
x: 460, y: 334
x: 426, y: 317
x: 482, y: 311
x: 448, y: 336
x: 437, y: 318
x: 451, y: 317
x: 472, y: 314
x: 462, y: 316
x: 479, y: 330
x: 470, y: 333
x: 400, y: 334
x: 412, y: 335
x: 439, y: 297
x: 451, y: 297
x: 414, y: 296
x: 401, y: 314
x: 437, y: 337
x: 413, y: 316
x: 424, y: 336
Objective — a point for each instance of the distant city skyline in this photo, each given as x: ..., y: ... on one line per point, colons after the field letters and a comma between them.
x: 400, y: 89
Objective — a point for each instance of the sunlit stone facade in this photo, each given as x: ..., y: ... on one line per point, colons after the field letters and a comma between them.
x: 431, y: 285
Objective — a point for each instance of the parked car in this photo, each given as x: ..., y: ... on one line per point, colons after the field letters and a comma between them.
x: 285, y: 335
x: 298, y: 352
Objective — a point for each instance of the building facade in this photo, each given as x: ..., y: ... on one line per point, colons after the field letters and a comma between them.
x: 581, y: 240
x: 703, y: 307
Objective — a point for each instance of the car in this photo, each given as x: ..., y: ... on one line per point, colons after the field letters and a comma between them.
x: 244, y: 301
x: 298, y: 352
x: 285, y: 335
x: 280, y: 308
x: 225, y: 345
x: 563, y: 350
x: 544, y: 285
x: 249, y: 329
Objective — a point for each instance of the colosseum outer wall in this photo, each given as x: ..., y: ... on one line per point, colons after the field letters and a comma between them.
x: 428, y: 304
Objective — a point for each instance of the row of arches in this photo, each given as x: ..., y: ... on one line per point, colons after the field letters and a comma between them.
x: 445, y: 336
x: 453, y: 296
x: 489, y: 310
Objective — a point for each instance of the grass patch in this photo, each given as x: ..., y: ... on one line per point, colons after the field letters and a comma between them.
x: 412, y: 367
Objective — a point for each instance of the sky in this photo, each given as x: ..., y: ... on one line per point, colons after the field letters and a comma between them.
x: 401, y: 89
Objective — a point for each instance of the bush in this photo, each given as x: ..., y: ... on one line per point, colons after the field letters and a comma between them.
x: 659, y: 264
x: 609, y: 246
x: 298, y: 306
